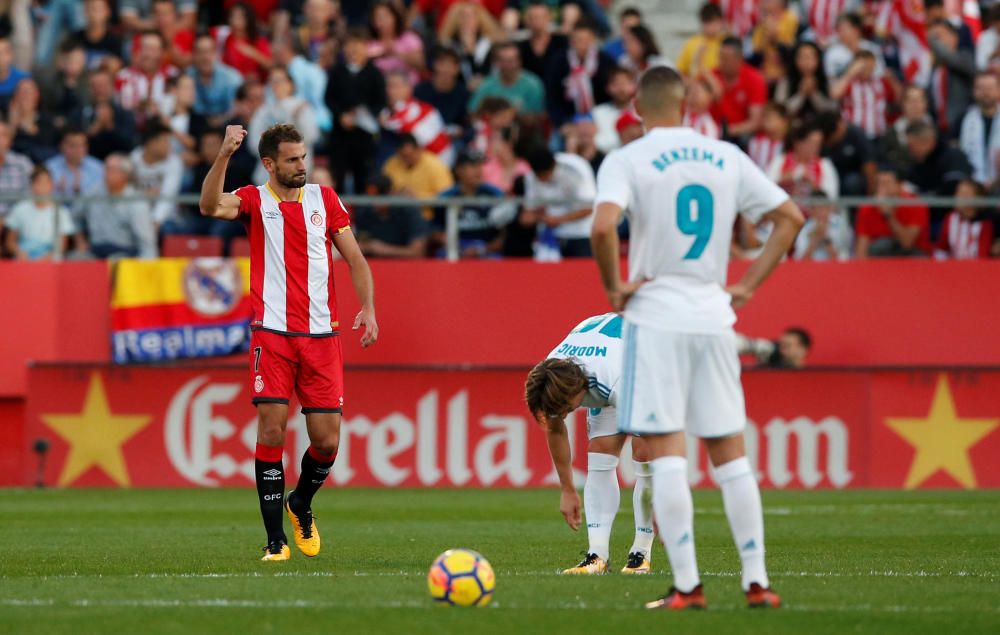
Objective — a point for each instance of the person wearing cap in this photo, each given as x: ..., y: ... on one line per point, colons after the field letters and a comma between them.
x: 628, y: 127
x: 480, y: 232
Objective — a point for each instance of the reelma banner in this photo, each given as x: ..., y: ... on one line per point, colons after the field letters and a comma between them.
x: 176, y: 308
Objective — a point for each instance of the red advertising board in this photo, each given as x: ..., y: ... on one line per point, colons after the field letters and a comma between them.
x: 167, y: 427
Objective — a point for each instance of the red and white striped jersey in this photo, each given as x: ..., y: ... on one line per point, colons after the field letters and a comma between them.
x: 134, y: 87
x: 703, y: 123
x: 822, y: 15
x: 740, y: 15
x: 291, y: 258
x: 865, y: 104
x: 424, y: 122
x: 763, y: 149
x: 964, y: 239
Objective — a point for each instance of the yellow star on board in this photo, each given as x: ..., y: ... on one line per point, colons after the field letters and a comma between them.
x: 942, y: 440
x: 95, y: 436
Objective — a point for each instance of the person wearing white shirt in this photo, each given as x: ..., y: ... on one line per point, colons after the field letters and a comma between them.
x: 157, y: 172
x: 283, y: 106
x: 569, y: 179
x: 621, y: 89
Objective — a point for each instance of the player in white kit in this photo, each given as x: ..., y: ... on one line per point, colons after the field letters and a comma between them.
x: 682, y: 192
x: 584, y: 371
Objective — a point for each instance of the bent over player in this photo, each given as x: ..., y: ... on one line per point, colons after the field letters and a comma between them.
x: 294, y: 345
x: 583, y: 371
x: 681, y: 373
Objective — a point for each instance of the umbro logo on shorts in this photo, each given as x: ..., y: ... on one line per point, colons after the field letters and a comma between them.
x: 272, y: 474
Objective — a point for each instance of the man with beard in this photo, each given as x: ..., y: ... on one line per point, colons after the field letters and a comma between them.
x: 294, y: 342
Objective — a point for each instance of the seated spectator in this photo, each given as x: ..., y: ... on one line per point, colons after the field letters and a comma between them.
x: 852, y: 154
x: 891, y: 147
x: 700, y: 53
x: 97, y: 36
x: 951, y: 79
x: 109, y: 127
x: 800, y: 170
x: 767, y: 144
x: 967, y: 232
x: 641, y: 50
x: 243, y: 47
x: 698, y: 108
x: 773, y: 36
x: 863, y: 96
x: 804, y: 91
x: 495, y: 114
x: 386, y: 231
x: 479, y: 226
x: 827, y: 234
x: 157, y: 172
x: 510, y: 81
x: 73, y: 171
x: 118, y: 225
x: 471, y: 31
x: 935, y: 10
x: 248, y: 100
x: 562, y: 177
x: 215, y: 83
x: 143, y: 85
x: 309, y: 78
x: 178, y: 41
x: 445, y: 90
x: 322, y: 27
x: 577, y: 81
x: 621, y: 90
x: 64, y: 88
x: 15, y: 169
x: 406, y: 115
x: 886, y: 230
x: 393, y: 47
x: 177, y: 112
x: 989, y: 39
x: 979, y: 136
x: 284, y: 106
x: 937, y: 167
x: 629, y: 17
x: 137, y: 15
x: 739, y: 90
x: 10, y: 75
x: 415, y: 172
x: 503, y: 167
x: 35, y: 133
x: 543, y: 45
x: 37, y: 228
x: 579, y: 140
x: 628, y: 127
x: 850, y: 40
x: 355, y: 94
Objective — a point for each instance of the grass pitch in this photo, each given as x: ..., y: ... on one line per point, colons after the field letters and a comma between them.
x: 186, y: 561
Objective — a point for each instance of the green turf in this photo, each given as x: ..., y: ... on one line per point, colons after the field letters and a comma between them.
x: 185, y: 561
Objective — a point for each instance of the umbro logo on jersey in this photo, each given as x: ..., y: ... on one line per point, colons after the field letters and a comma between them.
x: 272, y: 474
x: 271, y: 214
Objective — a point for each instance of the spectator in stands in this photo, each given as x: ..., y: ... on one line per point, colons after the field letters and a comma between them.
x: 698, y: 108
x: 34, y: 131
x: 355, y: 94
x: 934, y: 10
x: 479, y: 226
x: 143, y: 85
x: 628, y: 127
x: 739, y: 90
x: 239, y: 173
x: 137, y: 15
x: 109, y: 127
x: 406, y: 115
x: 284, y: 106
x: 627, y: 18
x: 37, y: 228
x: 827, y: 234
x: 54, y: 18
x: 792, y: 349
x: 215, y: 83
x: 64, y: 88
x: 800, y: 170
x: 177, y: 112
x: 494, y: 115
x: 578, y: 80
x: 580, y: 140
x: 804, y: 91
x: 118, y: 225
x: 445, y: 90
x: 951, y: 80
x: 471, y: 31
x: 386, y: 231
x: 73, y: 171
x: 821, y: 19
x: 521, y: 88
x: 850, y: 40
x: 97, y: 36
x: 178, y: 41
x: 989, y: 39
x: 641, y: 50
x: 393, y: 48
x: 892, y: 146
x: 322, y: 27
x: 157, y: 172
x: 864, y: 97
x: 415, y: 172
x: 543, y: 45
x: 967, y: 232
x: 851, y: 153
x: 767, y: 144
x: 564, y: 177
x: 309, y: 78
x: 15, y: 169
x: 887, y: 230
x: 937, y: 167
x: 979, y: 135
x: 249, y: 99
x: 773, y: 37
x: 621, y: 90
x: 10, y: 75
x: 701, y: 52
x: 243, y: 47
x: 503, y: 167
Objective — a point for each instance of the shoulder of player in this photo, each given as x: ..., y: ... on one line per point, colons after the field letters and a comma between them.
x: 575, y: 163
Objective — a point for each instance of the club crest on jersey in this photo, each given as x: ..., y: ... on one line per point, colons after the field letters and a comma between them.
x: 316, y: 219
x: 258, y: 384
x: 212, y: 286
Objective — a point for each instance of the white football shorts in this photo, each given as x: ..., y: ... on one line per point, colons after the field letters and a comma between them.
x: 602, y: 422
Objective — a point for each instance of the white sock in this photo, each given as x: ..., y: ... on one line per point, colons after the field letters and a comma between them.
x: 674, y: 511
x: 741, y: 497
x: 601, y: 497
x: 642, y: 508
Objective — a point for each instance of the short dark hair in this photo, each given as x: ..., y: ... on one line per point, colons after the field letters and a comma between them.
x: 802, y: 131
x: 493, y: 105
x: 70, y: 44
x: 850, y: 18
x: 585, y: 24
x: 274, y: 136
x: 407, y: 139
x: 803, y: 335
x: 541, y: 159
x: 446, y: 51
x: 630, y: 11
x: 864, y: 54
x: 734, y: 42
x: 358, y: 33
x: 499, y: 46
x: 709, y: 12
x: 153, y: 129
x: 619, y: 70
x: 777, y: 108
x: 920, y: 128
x: 69, y: 131
x: 38, y: 170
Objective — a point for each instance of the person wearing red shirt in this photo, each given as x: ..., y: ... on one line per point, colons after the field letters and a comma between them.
x: 967, y: 232
x: 883, y: 230
x: 243, y: 48
x: 178, y: 41
x: 740, y: 92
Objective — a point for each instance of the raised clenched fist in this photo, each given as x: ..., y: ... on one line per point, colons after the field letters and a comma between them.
x: 234, y: 137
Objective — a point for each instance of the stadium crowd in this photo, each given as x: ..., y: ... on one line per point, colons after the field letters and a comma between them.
x: 102, y: 101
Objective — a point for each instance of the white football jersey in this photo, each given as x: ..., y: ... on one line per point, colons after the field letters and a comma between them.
x: 682, y: 191
x: 596, y: 344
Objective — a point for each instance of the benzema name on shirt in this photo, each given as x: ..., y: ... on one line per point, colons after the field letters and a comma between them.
x: 701, y: 155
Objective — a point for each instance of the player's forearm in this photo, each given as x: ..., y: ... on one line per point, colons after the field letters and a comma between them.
x: 364, y: 285
x: 606, y: 251
x: 786, y: 228
x: 562, y: 457
x: 211, y: 187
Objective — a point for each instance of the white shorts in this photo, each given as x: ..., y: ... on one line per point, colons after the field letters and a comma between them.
x: 675, y: 382
x: 602, y: 422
